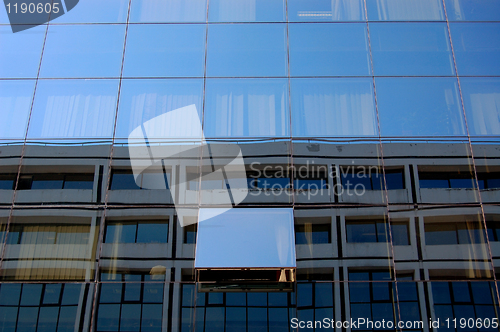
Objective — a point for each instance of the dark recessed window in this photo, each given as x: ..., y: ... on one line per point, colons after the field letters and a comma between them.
x: 493, y: 228
x: 7, y: 181
x: 48, y: 234
x: 311, y: 179
x: 190, y: 233
x: 55, y: 181
x: 369, y: 179
x: 365, y: 231
x: 154, y: 231
x: 310, y: 233
x: 446, y: 180
x: 454, y: 233
x: 489, y: 180
x: 124, y: 180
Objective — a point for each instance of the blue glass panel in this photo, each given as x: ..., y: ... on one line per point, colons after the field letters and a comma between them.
x: 31, y: 294
x: 325, y: 10
x: 333, y: 107
x: 323, y: 295
x: 26, y: 322
x: 8, y: 317
x: 121, y: 233
x: 152, y: 233
x: 257, y: 299
x: 161, y: 11
x: 329, y: 49
x: 214, y: 319
x: 441, y: 292
x: 359, y: 291
x: 434, y: 183
x: 236, y: 299
x: 15, y: 103
x: 246, y: 108
x: 407, y: 291
x: 236, y: 319
x: 187, y: 320
x: 305, y: 315
x: 277, y: 299
x: 22, y: 56
x: 361, y: 310
x: 151, y: 317
x: 51, y: 293
x: 461, y: 292
x: 123, y: 181
x: 257, y: 319
x: 361, y: 232
x: 74, y: 109
x: 246, y: 11
x: 407, y: 10
x: 153, y: 292
x: 409, y: 311
x: 443, y: 312
x: 381, y: 291
x: 394, y: 180
x: 165, y: 50
x: 486, y: 311
x: 130, y: 317
x: 67, y: 319
x: 142, y: 100
x: 400, y: 234
x: 132, y: 289
x: 304, y: 295
x: 438, y: 234
x: 473, y: 10
x: 482, y: 292
x: 247, y: 50
x: 419, y: 107
x: 464, y: 311
x: 96, y: 11
x: 83, y: 51
x: 71, y: 294
x: 47, y: 322
x: 481, y: 100
x: 278, y: 319
x: 411, y: 49
x: 108, y: 317
x: 188, y: 295
x: 10, y: 294
x: 215, y: 298
x: 111, y: 293
x: 382, y: 311
x: 477, y: 48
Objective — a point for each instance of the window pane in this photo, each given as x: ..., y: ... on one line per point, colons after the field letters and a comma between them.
x: 67, y: 319
x: 246, y: 108
x: 47, y: 181
x: 419, y: 107
x: 22, y: 56
x: 143, y: 100
x: 236, y: 319
x: 257, y: 299
x: 15, y: 103
x: 120, y: 233
x: 165, y: 51
x: 153, y: 293
x: 8, y: 317
x: 71, y: 294
x: 114, y: 11
x: 323, y: 295
x: 111, y: 293
x: 329, y: 50
x: 31, y: 294
x: 108, y: 316
x: 411, y: 49
x: 304, y: 294
x: 399, y: 234
x: 151, y: 317
x: 10, y: 294
x: 472, y: 10
x: 79, y: 181
x: 443, y: 233
x: 74, y: 109
x: 83, y: 51
x: 477, y: 48
x: 481, y: 101
x: 257, y: 319
x: 333, y: 107
x: 325, y: 10
x: 130, y: 317
x: 190, y: 234
x: 132, y: 288
x: 152, y: 233
x: 215, y: 319
x: 441, y: 292
x: 123, y: 181
x: 246, y: 50
x: 407, y: 10
x: 394, y: 180
x: 47, y: 321
x: 361, y: 232
x: 159, y: 11
x: 26, y: 322
x: 51, y: 294
x: 246, y: 11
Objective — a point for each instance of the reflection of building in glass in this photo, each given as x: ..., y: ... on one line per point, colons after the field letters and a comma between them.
x: 376, y: 122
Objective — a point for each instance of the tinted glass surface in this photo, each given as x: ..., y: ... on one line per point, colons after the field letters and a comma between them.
x: 15, y: 103
x: 160, y: 11
x: 408, y: 10
x: 472, y: 10
x: 246, y: 11
x: 325, y: 10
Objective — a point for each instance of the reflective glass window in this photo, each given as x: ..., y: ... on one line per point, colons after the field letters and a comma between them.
x: 120, y: 233
x: 419, y: 107
x: 477, y: 48
x: 74, y: 109
x: 15, y: 103
x: 325, y: 10
x: 312, y: 233
x: 482, y: 105
x: 246, y: 11
x: 152, y: 232
x: 333, y: 107
x: 8, y: 317
x: 165, y: 50
x: 21, y: 52
x: 143, y: 100
x: 190, y: 233
x: 407, y: 10
x: 83, y: 51
x: 246, y: 108
x: 161, y: 11
x: 473, y: 10
x: 411, y: 49
x: 246, y: 50
x: 329, y: 49
x: 454, y: 233
x: 96, y: 11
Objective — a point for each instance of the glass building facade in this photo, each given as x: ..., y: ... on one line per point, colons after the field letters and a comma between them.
x: 377, y: 122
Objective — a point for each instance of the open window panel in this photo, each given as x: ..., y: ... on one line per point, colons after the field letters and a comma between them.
x: 245, y: 250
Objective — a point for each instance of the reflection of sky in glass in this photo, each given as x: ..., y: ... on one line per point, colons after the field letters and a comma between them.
x: 96, y: 11
x: 161, y: 11
x: 482, y: 105
x: 246, y: 11
x: 407, y: 10
x: 325, y: 10
x: 472, y: 10
x: 15, y: 103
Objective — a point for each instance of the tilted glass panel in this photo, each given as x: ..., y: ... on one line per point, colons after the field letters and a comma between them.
x: 96, y: 11
x: 72, y: 109
x: 246, y: 108
x: 333, y: 107
x: 165, y: 50
x: 246, y: 50
x: 325, y: 10
x: 472, y: 10
x: 246, y: 11
x: 408, y: 10
x: 83, y: 51
x: 477, y: 48
x: 411, y: 49
x: 15, y: 104
x: 161, y: 11
x: 21, y: 52
x: 482, y: 105
x: 419, y: 107
x: 329, y: 49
